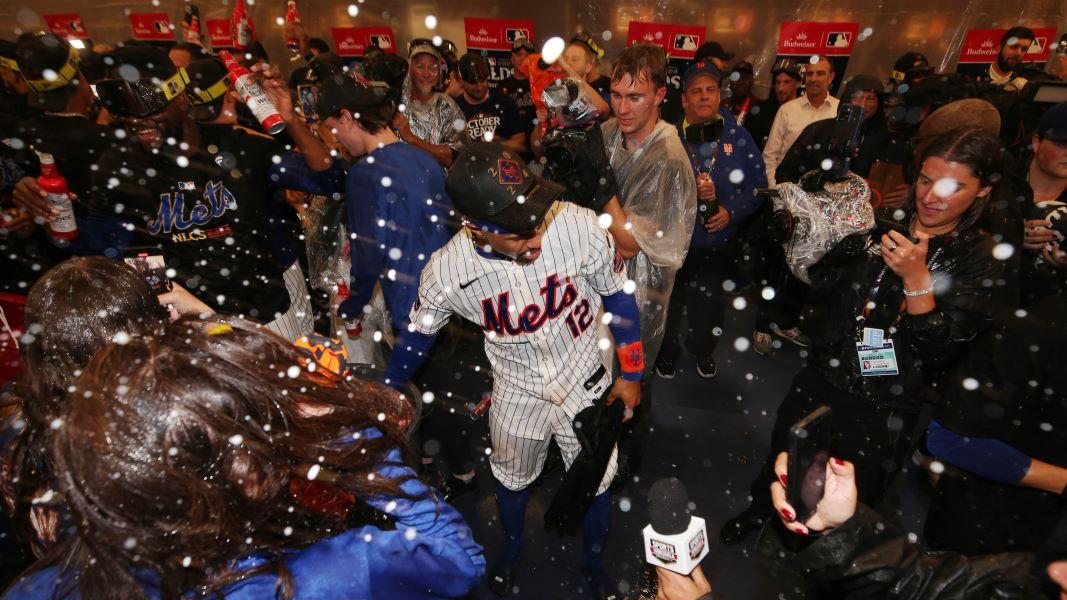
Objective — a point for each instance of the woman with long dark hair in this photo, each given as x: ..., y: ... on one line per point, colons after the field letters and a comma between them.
x: 928, y: 289
x: 76, y: 308
x: 177, y: 456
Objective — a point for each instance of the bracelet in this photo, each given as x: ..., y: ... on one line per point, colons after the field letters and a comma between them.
x: 922, y: 292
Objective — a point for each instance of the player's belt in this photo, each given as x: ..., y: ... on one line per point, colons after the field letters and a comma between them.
x: 592, y: 381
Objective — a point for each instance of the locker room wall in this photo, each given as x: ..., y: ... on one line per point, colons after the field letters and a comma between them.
x: 747, y: 28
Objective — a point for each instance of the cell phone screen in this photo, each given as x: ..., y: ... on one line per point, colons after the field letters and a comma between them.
x: 809, y: 450
x: 309, y: 98
x: 149, y: 261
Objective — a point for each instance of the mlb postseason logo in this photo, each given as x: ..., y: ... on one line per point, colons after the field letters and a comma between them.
x: 664, y: 551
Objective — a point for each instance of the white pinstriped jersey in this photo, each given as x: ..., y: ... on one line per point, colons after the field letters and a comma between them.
x: 538, y: 318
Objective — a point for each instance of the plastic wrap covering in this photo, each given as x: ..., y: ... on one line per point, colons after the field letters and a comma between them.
x: 438, y: 122
x: 822, y: 219
x: 569, y: 103
x: 324, y: 233
x: 657, y: 190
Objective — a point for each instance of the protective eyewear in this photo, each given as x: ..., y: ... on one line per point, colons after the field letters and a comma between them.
x: 141, y: 97
x: 474, y: 71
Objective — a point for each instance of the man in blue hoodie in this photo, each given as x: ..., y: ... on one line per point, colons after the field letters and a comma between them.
x: 728, y: 168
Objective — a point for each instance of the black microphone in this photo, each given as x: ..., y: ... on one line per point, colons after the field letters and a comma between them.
x: 675, y: 539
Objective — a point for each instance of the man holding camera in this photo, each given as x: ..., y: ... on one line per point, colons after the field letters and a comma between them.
x: 728, y: 170
x: 491, y: 116
x: 1046, y: 264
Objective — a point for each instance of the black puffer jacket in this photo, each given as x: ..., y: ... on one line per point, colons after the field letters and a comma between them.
x: 870, y: 557
x: 970, y: 285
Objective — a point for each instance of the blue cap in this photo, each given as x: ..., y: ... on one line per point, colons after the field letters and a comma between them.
x: 1053, y: 124
x: 703, y: 67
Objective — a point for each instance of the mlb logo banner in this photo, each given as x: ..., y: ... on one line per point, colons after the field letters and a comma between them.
x: 680, y: 41
x: 67, y: 26
x: 152, y: 27
x: 494, y: 37
x: 981, y: 45
x: 801, y: 40
x: 354, y: 41
x: 220, y: 32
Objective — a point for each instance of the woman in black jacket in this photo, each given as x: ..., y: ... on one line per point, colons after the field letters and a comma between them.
x: 886, y: 324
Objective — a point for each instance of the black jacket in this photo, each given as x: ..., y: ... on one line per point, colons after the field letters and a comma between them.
x: 870, y: 557
x: 969, y: 287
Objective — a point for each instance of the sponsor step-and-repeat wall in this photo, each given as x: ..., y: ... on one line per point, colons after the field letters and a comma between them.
x: 801, y: 40
x: 980, y: 49
x: 493, y: 38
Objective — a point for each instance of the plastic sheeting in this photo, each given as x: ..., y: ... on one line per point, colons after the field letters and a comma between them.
x: 657, y: 190
x: 822, y: 219
x: 439, y: 121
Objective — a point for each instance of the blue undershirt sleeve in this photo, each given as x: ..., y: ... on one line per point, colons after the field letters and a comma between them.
x: 987, y: 457
x: 409, y: 353
x: 625, y: 323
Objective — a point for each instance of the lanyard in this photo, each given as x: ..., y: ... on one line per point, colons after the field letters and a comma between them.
x: 868, y: 302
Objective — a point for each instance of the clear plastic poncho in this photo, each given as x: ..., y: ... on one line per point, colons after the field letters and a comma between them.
x: 822, y: 219
x: 657, y: 190
x: 439, y: 121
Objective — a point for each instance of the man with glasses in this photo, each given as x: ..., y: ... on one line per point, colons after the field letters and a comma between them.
x: 490, y: 115
x: 432, y: 121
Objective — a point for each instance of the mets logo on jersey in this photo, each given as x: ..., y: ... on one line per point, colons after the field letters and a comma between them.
x: 497, y: 312
x: 509, y: 172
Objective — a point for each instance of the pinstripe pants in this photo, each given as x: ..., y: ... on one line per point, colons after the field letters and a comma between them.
x: 517, y: 461
x: 297, y: 321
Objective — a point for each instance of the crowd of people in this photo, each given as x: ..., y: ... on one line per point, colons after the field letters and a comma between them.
x: 277, y: 407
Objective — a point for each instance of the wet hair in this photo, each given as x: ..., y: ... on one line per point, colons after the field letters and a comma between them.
x: 642, y: 60
x: 208, y: 426
x: 982, y: 152
x: 1020, y: 33
x: 75, y: 309
x: 373, y: 119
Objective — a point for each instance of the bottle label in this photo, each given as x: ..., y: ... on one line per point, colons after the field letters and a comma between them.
x: 64, y: 223
x: 257, y: 100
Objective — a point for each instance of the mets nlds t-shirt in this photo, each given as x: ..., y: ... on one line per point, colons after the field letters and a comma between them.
x: 496, y: 114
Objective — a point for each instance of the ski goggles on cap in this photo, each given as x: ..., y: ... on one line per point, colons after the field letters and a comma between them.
x: 587, y: 40
x: 211, y: 94
x: 141, y: 97
x: 9, y: 63
x: 56, y: 79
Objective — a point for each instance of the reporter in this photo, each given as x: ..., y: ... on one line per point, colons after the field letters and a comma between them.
x: 209, y: 442
x: 930, y: 297
x: 859, y: 554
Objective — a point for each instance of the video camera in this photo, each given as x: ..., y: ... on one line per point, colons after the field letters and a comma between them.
x: 574, y: 146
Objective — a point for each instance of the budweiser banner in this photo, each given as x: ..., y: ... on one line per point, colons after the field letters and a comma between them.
x: 153, y: 27
x: 680, y: 41
x: 981, y: 46
x: 354, y: 41
x: 493, y: 37
x: 220, y: 32
x: 801, y: 40
x: 68, y: 26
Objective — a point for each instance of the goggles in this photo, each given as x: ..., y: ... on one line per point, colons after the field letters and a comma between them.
x: 142, y: 97
x: 587, y: 40
x: 474, y: 71
x: 9, y: 63
x: 63, y: 77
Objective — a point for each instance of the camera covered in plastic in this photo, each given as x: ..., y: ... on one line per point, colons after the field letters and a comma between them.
x: 574, y: 146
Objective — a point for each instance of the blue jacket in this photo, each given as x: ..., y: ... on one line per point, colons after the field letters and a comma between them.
x: 430, y: 554
x: 736, y: 151
x: 398, y: 211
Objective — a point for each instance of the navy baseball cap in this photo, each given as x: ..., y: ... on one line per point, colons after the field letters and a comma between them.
x: 492, y: 188
x: 473, y: 67
x: 703, y: 67
x: 1053, y: 124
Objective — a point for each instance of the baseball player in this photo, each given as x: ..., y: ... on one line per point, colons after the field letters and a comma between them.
x: 533, y: 272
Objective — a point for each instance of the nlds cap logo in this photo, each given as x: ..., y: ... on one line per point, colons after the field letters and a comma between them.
x: 510, y: 172
x: 663, y: 551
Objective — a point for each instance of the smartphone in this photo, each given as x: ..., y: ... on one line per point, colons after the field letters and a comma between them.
x: 309, y: 99
x: 149, y: 261
x: 809, y: 450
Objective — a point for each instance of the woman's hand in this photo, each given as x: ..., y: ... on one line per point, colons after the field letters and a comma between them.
x: 180, y: 302
x: 839, y: 497
x: 1037, y: 234
x: 675, y: 586
x: 906, y: 259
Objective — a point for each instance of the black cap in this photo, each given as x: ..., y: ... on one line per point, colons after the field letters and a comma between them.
x: 473, y: 68
x: 862, y: 83
x: 137, y: 60
x: 1053, y: 124
x: 341, y: 91
x: 910, y: 65
x: 47, y: 61
x: 490, y: 185
x: 712, y: 50
x: 744, y: 67
x: 390, y: 68
x: 587, y: 40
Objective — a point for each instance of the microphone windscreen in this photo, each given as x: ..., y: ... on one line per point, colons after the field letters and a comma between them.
x: 668, y: 506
